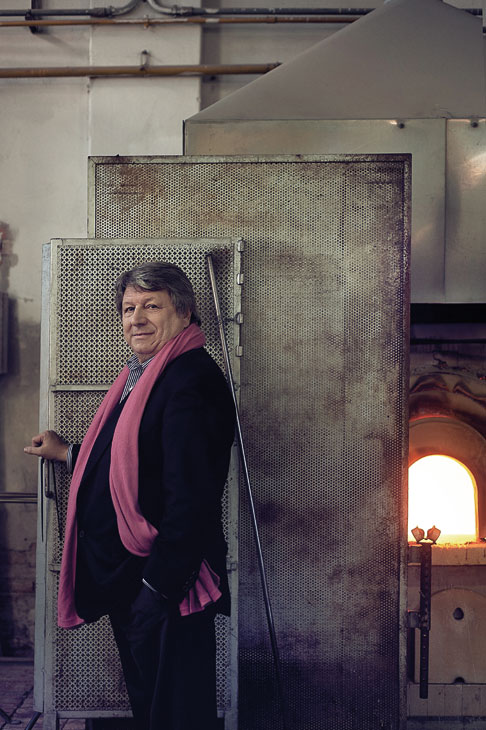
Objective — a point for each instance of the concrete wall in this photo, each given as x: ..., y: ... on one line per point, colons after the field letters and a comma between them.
x: 48, y: 128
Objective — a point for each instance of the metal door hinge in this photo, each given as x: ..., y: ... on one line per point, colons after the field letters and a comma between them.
x: 413, y: 619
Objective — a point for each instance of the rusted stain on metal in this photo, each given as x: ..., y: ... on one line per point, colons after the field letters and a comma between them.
x: 322, y: 396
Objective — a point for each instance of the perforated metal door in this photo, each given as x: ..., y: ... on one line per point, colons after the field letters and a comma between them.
x: 323, y: 393
x: 77, y: 671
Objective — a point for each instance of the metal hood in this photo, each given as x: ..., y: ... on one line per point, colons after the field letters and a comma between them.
x: 418, y: 59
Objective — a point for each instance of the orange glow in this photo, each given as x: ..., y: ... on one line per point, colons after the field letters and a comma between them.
x: 442, y: 492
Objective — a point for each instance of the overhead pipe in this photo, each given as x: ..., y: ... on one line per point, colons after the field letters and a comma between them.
x: 105, y: 12
x: 263, y: 14
x: 99, y: 71
x: 194, y: 20
x: 180, y: 11
x: 177, y: 10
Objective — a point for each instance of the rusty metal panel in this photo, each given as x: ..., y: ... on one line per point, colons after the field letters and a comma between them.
x: 323, y: 395
x: 77, y: 672
x: 424, y: 139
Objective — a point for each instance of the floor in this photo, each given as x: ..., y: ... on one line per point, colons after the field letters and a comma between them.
x: 16, y: 696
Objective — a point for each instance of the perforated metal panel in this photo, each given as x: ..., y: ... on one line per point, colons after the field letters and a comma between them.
x: 78, y: 671
x: 323, y: 383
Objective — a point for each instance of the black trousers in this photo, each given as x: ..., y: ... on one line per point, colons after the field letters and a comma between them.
x: 169, y: 663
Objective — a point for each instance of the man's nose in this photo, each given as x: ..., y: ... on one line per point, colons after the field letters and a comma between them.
x: 138, y: 316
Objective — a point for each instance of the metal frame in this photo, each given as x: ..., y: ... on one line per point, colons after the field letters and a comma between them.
x: 44, y: 695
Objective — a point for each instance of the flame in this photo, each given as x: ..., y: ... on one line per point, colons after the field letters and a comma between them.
x: 442, y: 491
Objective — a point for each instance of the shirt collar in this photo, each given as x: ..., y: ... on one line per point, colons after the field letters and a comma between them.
x: 134, y: 365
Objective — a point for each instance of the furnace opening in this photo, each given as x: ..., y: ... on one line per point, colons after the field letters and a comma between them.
x: 443, y: 492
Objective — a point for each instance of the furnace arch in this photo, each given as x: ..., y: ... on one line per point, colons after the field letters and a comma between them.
x: 457, y: 440
x: 442, y: 492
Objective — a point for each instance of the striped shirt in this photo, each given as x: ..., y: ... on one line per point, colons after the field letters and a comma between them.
x: 136, y: 370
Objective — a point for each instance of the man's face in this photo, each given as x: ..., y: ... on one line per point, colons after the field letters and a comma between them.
x: 149, y: 321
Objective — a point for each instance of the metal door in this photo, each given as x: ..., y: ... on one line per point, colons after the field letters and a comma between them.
x: 77, y: 672
x: 324, y: 408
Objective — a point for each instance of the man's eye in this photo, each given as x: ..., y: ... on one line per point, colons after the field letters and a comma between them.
x: 152, y: 306
x: 128, y: 310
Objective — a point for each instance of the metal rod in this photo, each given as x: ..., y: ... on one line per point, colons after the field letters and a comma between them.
x: 41, y: 496
x: 194, y: 13
x: 425, y: 604
x: 97, y: 12
x: 344, y: 12
x: 204, y: 69
x: 18, y: 498
x: 32, y: 721
x: 194, y: 20
x: 56, y: 500
x: 177, y: 10
x: 261, y: 565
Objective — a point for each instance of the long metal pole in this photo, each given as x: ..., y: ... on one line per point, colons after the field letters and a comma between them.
x: 96, y: 71
x: 244, y: 463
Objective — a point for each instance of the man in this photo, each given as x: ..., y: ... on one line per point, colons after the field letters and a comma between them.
x: 144, y: 540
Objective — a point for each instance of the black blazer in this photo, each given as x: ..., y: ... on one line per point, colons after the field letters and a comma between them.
x: 185, y: 440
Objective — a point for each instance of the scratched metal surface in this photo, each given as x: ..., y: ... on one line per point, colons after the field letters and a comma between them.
x: 323, y: 382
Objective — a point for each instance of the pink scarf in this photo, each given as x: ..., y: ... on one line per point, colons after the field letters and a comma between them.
x: 136, y: 534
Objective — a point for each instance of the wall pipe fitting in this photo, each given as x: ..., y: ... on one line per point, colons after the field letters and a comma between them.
x: 100, y: 71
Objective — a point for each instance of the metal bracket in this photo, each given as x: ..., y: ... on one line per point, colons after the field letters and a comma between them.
x: 422, y: 554
x: 144, y: 59
x: 413, y: 619
x: 47, y: 473
x: 29, y: 15
x: 48, y: 494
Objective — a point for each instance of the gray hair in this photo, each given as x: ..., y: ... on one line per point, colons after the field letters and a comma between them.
x: 160, y: 276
